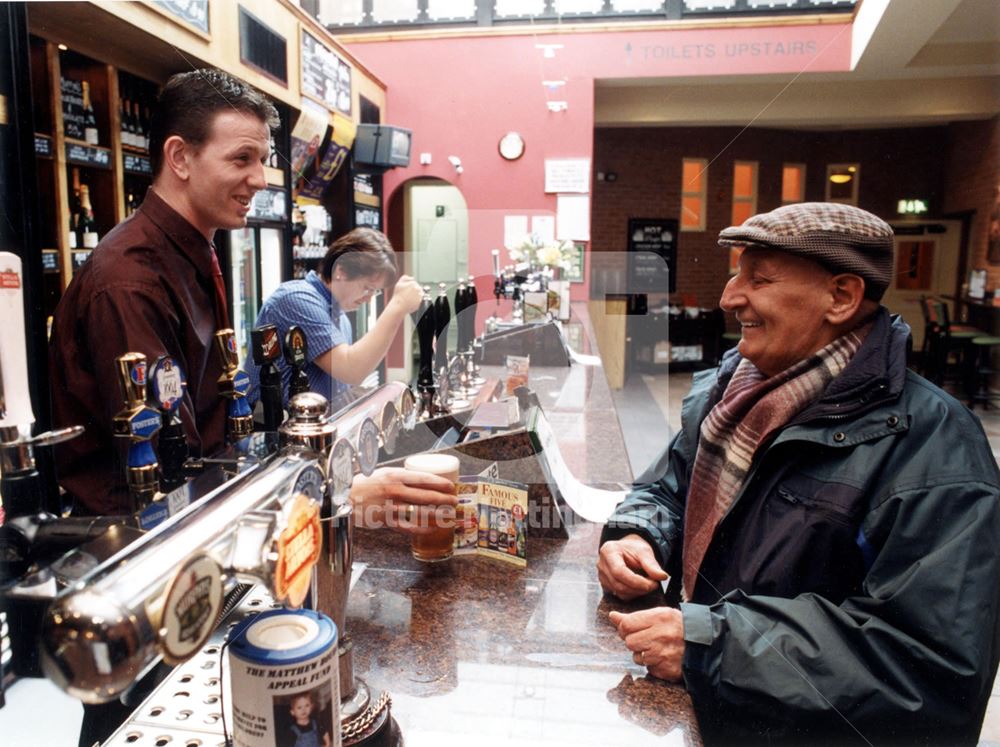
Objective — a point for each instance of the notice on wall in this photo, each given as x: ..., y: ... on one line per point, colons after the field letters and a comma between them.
x: 567, y: 175
x: 71, y: 93
x: 193, y: 12
x: 544, y: 227
x: 325, y: 77
x: 573, y: 217
x: 652, y: 252
x: 515, y: 229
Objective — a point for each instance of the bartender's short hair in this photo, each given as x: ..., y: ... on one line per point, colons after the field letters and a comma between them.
x: 363, y: 252
x: 188, y: 103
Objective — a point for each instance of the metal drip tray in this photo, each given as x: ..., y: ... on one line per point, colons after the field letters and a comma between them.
x: 185, y: 710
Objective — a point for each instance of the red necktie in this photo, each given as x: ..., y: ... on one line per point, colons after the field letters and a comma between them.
x: 221, y: 314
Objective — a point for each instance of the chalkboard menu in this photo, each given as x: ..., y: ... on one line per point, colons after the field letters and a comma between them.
x: 325, y: 77
x: 269, y: 204
x: 137, y: 164
x: 72, y: 105
x: 193, y: 12
x: 652, y: 252
x: 43, y: 145
x: 88, y: 155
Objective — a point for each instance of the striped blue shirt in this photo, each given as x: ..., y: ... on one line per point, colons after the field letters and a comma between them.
x: 308, y: 304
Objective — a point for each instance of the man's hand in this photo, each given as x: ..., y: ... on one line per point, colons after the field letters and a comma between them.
x: 402, y: 500
x: 407, y: 294
x: 656, y: 638
x: 627, y: 567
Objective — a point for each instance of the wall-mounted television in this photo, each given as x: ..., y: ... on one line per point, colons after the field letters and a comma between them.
x: 380, y: 147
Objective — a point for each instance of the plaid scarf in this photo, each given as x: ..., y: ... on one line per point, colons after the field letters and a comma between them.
x: 751, y: 409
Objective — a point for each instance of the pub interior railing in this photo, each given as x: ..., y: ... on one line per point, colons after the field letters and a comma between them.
x: 367, y: 15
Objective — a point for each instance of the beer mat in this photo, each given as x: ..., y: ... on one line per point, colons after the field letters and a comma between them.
x: 502, y: 413
x: 356, y: 570
x: 583, y: 359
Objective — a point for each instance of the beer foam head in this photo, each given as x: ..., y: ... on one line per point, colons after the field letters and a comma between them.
x: 436, y: 464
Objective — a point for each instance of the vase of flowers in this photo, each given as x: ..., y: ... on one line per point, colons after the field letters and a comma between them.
x: 557, y: 255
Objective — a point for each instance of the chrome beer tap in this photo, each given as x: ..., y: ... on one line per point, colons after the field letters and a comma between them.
x: 138, y: 423
x: 234, y: 385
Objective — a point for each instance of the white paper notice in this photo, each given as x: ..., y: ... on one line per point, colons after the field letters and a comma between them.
x: 544, y: 227
x: 573, y: 217
x: 567, y: 175
x: 515, y: 228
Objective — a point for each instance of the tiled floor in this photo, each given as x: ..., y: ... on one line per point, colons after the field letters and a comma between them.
x: 667, y: 391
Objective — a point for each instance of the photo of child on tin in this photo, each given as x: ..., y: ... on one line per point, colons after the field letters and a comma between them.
x: 305, y: 727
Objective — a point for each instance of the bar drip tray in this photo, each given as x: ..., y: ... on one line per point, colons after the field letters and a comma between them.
x: 185, y: 710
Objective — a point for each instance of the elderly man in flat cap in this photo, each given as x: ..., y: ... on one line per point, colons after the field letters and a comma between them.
x: 833, y: 517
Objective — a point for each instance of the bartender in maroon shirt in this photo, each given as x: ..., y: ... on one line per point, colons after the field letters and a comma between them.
x: 153, y: 283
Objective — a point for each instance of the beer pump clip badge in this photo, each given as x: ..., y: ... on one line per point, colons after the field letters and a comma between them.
x: 340, y: 469
x: 368, y: 446
x: 298, y: 549
x: 168, y: 383
x: 266, y: 345
x: 295, y: 347
x: 190, y: 608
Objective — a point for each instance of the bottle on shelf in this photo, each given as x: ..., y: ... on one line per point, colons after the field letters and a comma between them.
x: 146, y: 122
x: 127, y: 131
x: 74, y: 212
x: 87, y: 225
x: 140, y: 131
x: 89, y: 120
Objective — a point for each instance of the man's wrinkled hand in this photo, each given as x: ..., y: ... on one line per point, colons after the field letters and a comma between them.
x: 656, y: 639
x: 628, y: 568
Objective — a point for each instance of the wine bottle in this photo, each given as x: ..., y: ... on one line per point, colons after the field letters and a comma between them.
x: 147, y: 122
x: 140, y: 132
x: 89, y: 120
x: 128, y: 126
x: 87, y: 226
x: 74, y: 212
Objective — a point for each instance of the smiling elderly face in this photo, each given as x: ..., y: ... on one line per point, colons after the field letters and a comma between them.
x: 781, y: 302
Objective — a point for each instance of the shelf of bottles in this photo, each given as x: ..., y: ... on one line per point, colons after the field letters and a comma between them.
x: 136, y: 98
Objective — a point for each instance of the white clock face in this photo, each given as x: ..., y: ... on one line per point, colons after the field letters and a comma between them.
x: 511, y: 146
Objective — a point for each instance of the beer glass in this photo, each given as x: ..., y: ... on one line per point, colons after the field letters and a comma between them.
x: 438, y: 543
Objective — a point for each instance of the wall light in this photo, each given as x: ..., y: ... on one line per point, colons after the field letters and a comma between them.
x: 457, y: 163
x: 558, y: 106
x: 548, y: 50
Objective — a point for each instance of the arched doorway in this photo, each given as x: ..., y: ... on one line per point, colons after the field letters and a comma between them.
x: 427, y: 221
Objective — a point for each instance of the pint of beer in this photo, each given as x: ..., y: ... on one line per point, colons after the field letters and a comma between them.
x: 438, y: 543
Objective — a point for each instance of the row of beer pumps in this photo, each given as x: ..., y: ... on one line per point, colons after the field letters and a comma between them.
x: 448, y: 383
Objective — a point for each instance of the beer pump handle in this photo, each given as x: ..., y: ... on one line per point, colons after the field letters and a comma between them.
x: 138, y: 423
x: 442, y: 318
x: 167, y: 386
x: 425, y: 336
x: 496, y: 263
x: 296, y: 356
x: 460, y: 303
x: 266, y: 350
x: 234, y: 385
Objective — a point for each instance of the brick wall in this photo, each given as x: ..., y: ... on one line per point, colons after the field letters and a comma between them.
x: 894, y: 164
x: 972, y: 181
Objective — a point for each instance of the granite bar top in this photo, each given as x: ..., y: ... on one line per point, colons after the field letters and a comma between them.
x: 474, y: 651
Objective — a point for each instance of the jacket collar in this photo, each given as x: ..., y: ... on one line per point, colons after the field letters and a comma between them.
x: 875, y: 374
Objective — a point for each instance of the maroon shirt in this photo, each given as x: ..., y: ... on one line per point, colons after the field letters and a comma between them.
x: 147, y: 288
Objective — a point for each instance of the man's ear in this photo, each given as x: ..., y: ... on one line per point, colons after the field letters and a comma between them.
x: 847, y: 291
x: 176, y: 153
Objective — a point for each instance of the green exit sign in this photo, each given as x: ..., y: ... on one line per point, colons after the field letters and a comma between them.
x: 912, y: 207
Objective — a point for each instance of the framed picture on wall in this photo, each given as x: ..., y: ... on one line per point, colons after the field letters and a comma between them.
x: 575, y: 272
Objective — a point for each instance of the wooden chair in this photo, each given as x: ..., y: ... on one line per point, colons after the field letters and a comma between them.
x: 947, y: 347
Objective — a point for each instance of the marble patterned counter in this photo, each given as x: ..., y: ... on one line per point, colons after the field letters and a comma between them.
x: 474, y: 651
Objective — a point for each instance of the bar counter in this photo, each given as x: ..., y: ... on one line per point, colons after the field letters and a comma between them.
x: 475, y: 651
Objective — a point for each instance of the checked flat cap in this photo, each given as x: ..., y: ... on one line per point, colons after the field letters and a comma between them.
x: 842, y: 238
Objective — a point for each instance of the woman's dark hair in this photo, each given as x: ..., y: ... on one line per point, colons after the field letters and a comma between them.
x: 188, y: 103
x: 363, y: 252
